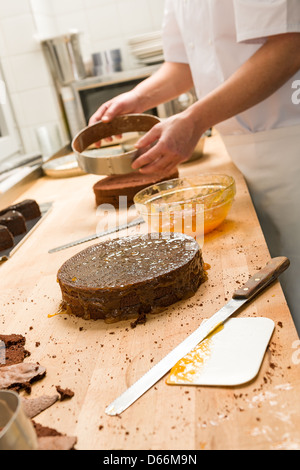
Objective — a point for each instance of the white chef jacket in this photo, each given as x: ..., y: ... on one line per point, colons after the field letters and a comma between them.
x: 217, y: 36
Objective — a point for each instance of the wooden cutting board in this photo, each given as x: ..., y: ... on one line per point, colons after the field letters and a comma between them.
x: 99, y: 361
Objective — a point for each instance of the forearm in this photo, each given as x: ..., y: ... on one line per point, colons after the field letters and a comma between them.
x: 265, y: 72
x: 167, y: 83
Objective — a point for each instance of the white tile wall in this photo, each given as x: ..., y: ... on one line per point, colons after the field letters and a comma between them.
x: 104, y: 21
x: 45, y: 26
x: 134, y: 16
x: 156, y: 11
x: 105, y: 24
x: 38, y: 103
x: 14, y: 7
x: 67, y: 6
x: 108, y: 24
x: 30, y: 71
x: 18, y: 33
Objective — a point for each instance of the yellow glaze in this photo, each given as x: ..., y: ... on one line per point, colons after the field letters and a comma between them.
x: 61, y: 311
x: 193, y: 363
x: 194, y: 207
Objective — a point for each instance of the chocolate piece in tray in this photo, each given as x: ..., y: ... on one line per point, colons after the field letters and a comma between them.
x: 15, y: 222
x: 6, y: 238
x: 28, y: 208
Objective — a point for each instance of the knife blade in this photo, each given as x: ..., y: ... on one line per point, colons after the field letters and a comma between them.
x: 134, y: 223
x: 251, y: 289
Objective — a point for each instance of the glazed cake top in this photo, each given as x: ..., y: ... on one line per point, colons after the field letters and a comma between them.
x: 128, y: 261
x: 132, y: 179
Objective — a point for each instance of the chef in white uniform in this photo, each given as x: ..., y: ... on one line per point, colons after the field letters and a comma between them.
x: 243, y: 59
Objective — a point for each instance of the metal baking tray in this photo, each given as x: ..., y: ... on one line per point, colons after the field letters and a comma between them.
x: 31, y: 225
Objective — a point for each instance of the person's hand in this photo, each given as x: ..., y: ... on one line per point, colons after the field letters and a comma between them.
x: 171, y: 142
x: 121, y: 104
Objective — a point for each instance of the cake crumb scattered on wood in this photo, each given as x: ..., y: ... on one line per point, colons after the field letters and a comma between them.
x: 65, y: 393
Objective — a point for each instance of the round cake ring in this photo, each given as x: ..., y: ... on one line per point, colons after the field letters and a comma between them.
x: 110, y: 164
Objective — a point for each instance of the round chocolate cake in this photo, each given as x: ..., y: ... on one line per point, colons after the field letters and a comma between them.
x: 131, y: 276
x: 109, y: 190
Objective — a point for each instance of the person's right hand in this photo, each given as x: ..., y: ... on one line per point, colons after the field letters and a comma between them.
x: 121, y: 104
x: 125, y: 103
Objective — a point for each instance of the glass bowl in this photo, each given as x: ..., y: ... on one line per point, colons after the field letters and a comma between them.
x: 194, y: 206
x: 16, y: 429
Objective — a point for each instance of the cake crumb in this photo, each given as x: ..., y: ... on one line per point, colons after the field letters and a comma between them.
x: 65, y: 393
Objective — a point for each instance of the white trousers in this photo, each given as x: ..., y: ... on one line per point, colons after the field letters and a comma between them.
x: 270, y: 163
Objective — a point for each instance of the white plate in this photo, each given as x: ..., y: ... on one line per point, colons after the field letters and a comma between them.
x: 153, y: 36
x: 232, y: 356
x: 63, y: 167
x: 152, y: 60
x: 155, y: 46
x: 155, y: 52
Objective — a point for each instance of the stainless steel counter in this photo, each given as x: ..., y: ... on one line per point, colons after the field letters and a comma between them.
x: 14, y: 180
x: 115, y: 77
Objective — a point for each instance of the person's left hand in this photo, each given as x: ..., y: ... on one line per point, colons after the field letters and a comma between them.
x: 171, y: 142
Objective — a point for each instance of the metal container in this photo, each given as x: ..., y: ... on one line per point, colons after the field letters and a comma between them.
x: 106, y: 62
x: 98, y: 64
x: 49, y: 140
x: 113, y: 60
x: 63, y: 54
x: 92, y: 162
x: 16, y: 429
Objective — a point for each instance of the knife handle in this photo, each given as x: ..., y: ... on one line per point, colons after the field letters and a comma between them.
x: 263, y: 278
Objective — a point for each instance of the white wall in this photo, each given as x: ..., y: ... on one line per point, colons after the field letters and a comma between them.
x: 108, y: 24
x: 105, y: 24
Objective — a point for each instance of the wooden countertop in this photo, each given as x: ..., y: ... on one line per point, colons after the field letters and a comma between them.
x: 99, y: 361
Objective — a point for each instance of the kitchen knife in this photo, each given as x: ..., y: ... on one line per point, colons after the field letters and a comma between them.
x: 251, y: 289
x: 134, y: 223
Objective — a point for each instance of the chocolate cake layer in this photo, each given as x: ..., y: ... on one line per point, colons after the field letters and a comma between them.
x: 110, y: 189
x: 15, y: 351
x: 6, y: 238
x: 131, y: 276
x: 28, y: 208
x: 14, y: 221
